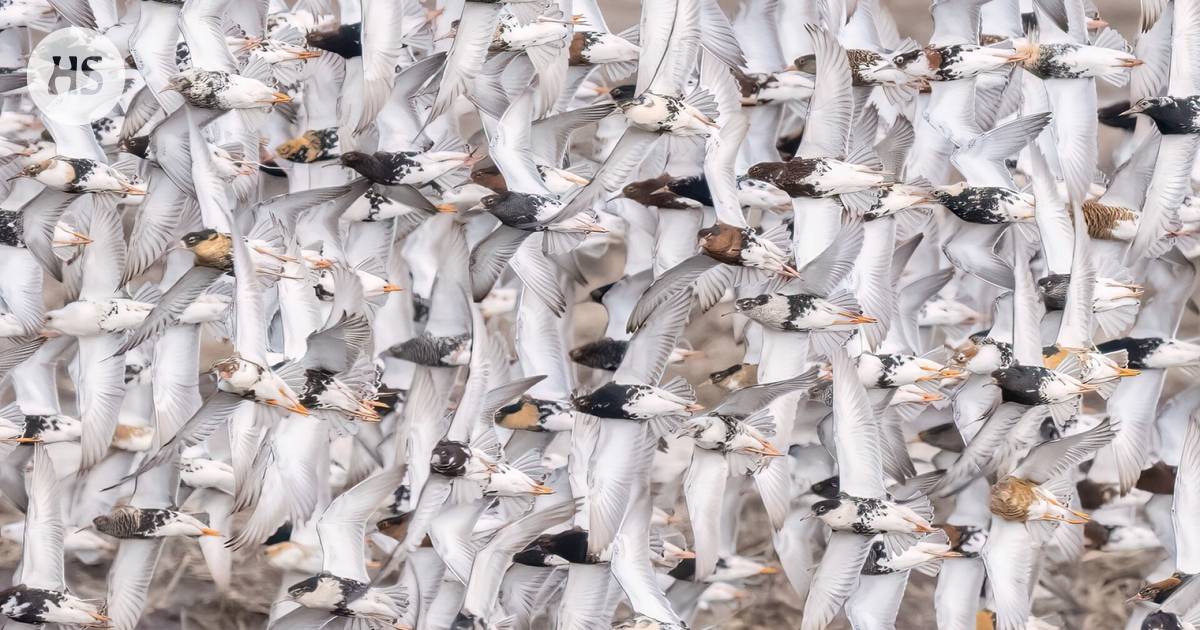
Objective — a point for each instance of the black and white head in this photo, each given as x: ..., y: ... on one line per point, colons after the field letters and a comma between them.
x: 449, y: 458
x: 821, y: 508
x: 749, y: 304
x: 1149, y: 106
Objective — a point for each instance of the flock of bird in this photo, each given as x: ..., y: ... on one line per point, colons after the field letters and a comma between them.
x: 314, y: 291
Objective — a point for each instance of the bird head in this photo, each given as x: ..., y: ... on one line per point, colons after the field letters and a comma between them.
x: 177, y: 83
x: 354, y: 159
x: 33, y: 169
x: 827, y: 488
x: 632, y: 101
x: 805, y: 63
x: 765, y: 171
x: 1147, y: 106
x: 749, y: 304
x: 821, y: 508
x: 192, y: 239
x: 449, y: 458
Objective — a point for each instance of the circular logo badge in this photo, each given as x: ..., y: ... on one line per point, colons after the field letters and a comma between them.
x: 76, y: 76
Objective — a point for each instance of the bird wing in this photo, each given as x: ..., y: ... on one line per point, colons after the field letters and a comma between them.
x: 719, y: 162
x: 1133, y: 406
x: 173, y: 303
x: 21, y: 287
x: 632, y: 147
x: 511, y: 149
x: 860, y: 464
x: 1009, y: 559
x: 540, y: 350
x: 496, y: 557
x: 381, y: 48
x: 650, y: 347
x: 152, y: 46
x: 981, y: 159
x: 974, y: 459
x: 492, y: 256
x: 104, y: 257
x: 1027, y: 310
x: 1051, y: 459
x: 159, y: 222
x: 1169, y: 184
x: 1173, y: 279
x: 467, y: 53
x: 343, y: 526
x: 680, y: 279
x: 874, y: 289
x: 75, y: 141
x: 1076, y: 129
x: 538, y: 273
x: 101, y: 386
x: 129, y: 580
x: 955, y: 22
x: 550, y: 136
x: 750, y: 399
x: 611, y: 476
x: 202, y: 25
x: 827, y: 132
x: 1185, y: 49
x: 836, y: 578
x: 1187, y: 500
x: 704, y: 490
x: 669, y: 38
x: 42, y: 549
x: 756, y: 25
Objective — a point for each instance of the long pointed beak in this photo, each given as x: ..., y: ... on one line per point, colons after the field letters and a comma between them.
x: 768, y: 571
x: 693, y: 407
x: 447, y: 208
x: 1130, y: 112
x: 23, y: 440
x: 767, y: 450
x: 1126, y: 372
x: 542, y: 488
x: 391, y: 288
x: 280, y: 97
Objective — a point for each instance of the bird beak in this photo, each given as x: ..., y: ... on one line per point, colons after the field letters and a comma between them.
x: 1095, y: 24
x: 768, y: 571
x: 766, y: 450
x: 1126, y: 372
x: 209, y: 532
x: 542, y: 488
x: 308, y: 54
x: 929, y: 397
x: 693, y: 407
x: 392, y: 288
x: 948, y: 554
x: 280, y: 97
x: 685, y: 554
x: 17, y: 176
x: 129, y: 189
x: 447, y: 208
x: 100, y: 618
x: 1132, y: 111
x: 23, y: 440
x: 857, y: 319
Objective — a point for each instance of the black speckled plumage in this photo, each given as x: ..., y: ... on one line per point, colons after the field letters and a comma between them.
x: 1022, y: 384
x: 428, y: 350
x: 350, y: 590
x: 523, y: 211
x: 979, y: 204
x: 1048, y: 63
x: 875, y: 556
x: 1173, y: 115
x: 12, y: 228
x: 1138, y: 349
x: 611, y: 400
x: 26, y: 604
x: 1053, y: 289
x: 132, y: 522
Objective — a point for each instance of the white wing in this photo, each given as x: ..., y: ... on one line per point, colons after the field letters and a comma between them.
x: 343, y: 527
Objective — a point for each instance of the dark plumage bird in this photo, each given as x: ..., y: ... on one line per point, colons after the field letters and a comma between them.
x: 344, y: 41
x: 602, y: 354
x: 1173, y: 115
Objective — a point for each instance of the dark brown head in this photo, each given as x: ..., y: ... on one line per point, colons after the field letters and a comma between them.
x: 722, y: 242
x: 641, y: 191
x: 356, y: 159
x: 770, y: 172
x: 489, y: 177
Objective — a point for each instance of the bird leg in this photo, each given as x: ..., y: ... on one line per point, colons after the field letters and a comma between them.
x: 79, y: 239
